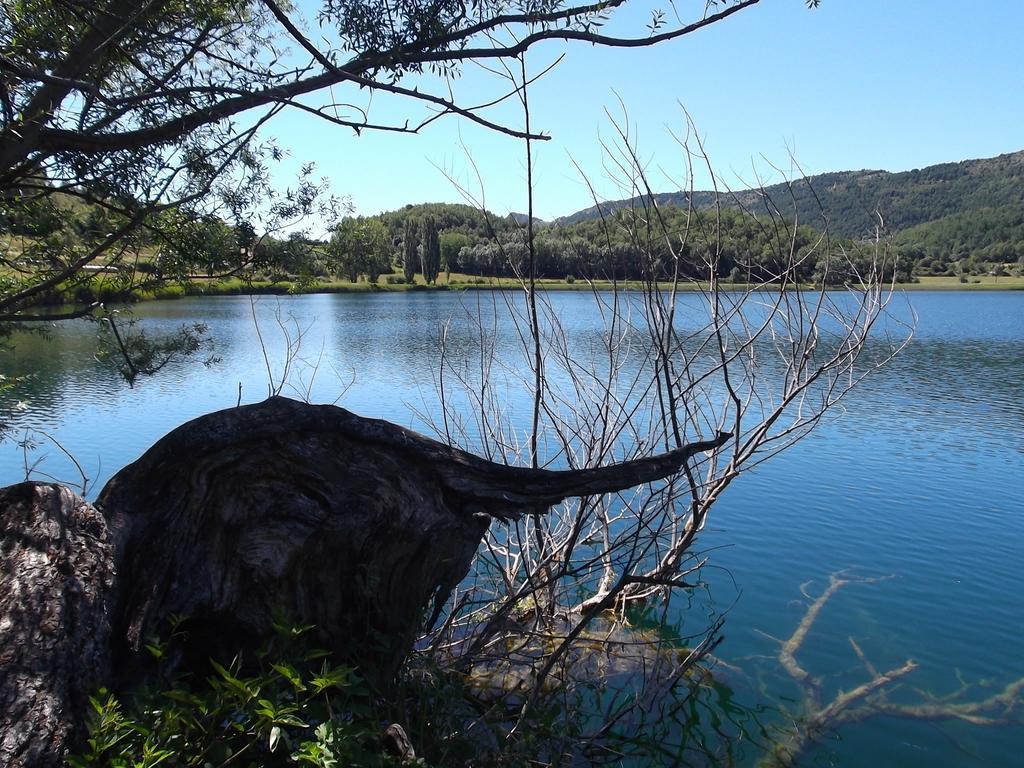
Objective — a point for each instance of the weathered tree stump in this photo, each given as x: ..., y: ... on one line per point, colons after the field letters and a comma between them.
x: 235, y: 519
x: 354, y: 525
x: 54, y: 625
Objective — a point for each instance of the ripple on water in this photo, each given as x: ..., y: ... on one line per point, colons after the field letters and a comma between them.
x: 918, y: 479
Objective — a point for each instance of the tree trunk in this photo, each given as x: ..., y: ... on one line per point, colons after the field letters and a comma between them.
x: 54, y: 620
x: 237, y: 519
x: 356, y: 526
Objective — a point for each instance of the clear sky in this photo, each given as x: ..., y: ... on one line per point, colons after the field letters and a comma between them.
x: 890, y: 84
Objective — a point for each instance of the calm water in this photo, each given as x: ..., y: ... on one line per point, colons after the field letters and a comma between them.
x: 921, y: 479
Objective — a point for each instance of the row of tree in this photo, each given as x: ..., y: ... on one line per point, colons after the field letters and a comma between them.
x: 630, y: 244
x: 363, y: 247
x: 633, y: 244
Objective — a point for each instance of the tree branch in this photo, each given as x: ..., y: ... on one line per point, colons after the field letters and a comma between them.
x: 55, y: 140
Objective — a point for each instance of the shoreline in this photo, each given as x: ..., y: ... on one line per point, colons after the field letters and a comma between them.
x: 288, y: 288
x: 284, y: 288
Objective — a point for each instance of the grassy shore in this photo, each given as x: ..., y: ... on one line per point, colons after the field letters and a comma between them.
x: 471, y: 282
x: 978, y: 283
x: 102, y: 290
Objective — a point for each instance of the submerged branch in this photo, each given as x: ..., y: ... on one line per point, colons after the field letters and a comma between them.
x: 869, y: 699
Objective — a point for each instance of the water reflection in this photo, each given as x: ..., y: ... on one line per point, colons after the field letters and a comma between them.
x: 918, y: 480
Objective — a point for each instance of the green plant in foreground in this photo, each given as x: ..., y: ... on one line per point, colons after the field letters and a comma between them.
x: 289, y: 705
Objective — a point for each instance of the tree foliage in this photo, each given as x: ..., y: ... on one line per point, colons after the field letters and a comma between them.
x: 451, y: 244
x: 141, y: 108
x: 359, y: 246
x: 410, y: 250
x: 430, y: 251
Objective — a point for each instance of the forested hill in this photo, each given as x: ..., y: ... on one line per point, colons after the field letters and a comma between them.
x: 851, y: 198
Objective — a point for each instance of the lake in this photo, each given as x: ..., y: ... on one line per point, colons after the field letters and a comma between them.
x: 919, y: 482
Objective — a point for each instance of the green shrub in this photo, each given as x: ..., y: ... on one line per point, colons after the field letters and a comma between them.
x: 290, y: 705
x: 286, y: 706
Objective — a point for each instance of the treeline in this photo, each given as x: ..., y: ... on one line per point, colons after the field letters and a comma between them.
x: 951, y: 219
x: 973, y: 242
x: 427, y: 240
x: 419, y: 242
x: 628, y: 245
x: 424, y: 240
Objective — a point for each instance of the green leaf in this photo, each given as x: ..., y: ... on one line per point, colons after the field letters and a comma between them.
x: 288, y: 672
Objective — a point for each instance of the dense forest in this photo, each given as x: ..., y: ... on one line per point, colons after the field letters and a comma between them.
x: 945, y: 219
x: 949, y: 219
x: 851, y: 198
x: 976, y: 240
x: 953, y: 219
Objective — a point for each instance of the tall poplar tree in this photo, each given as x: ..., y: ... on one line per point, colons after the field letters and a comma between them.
x: 430, y: 251
x: 410, y: 252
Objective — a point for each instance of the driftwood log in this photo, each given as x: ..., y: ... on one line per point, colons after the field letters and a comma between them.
x: 356, y: 526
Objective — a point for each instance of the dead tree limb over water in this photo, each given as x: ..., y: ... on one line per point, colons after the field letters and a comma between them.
x: 357, y: 526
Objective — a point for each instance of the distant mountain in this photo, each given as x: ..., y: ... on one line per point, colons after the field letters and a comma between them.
x: 849, y: 200
x: 522, y: 218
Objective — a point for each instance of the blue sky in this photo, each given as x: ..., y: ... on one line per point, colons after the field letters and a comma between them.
x: 891, y: 84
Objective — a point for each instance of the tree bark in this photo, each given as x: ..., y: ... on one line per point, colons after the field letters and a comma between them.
x: 54, y: 620
x: 356, y: 526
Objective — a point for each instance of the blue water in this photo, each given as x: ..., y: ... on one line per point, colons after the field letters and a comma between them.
x: 919, y: 479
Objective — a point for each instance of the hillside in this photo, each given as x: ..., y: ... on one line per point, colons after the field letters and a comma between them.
x: 851, y: 198
x: 973, y: 236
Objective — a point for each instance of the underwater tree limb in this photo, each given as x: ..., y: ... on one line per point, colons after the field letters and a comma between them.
x: 869, y: 699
